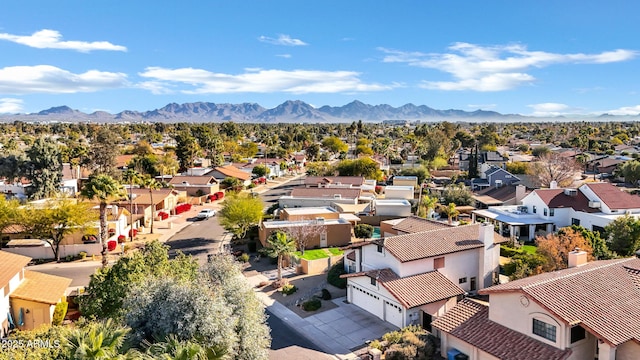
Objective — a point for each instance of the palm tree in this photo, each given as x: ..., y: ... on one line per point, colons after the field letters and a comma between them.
x: 426, y: 206
x: 104, y: 189
x: 97, y: 341
x: 132, y: 177
x: 174, y: 349
x: 450, y: 211
x: 151, y: 184
x: 280, y: 245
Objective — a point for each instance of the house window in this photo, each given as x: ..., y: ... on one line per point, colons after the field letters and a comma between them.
x: 535, y: 209
x: 544, y: 330
x: 545, y: 211
x: 373, y: 281
x: 597, y: 228
x: 462, y: 280
x: 551, y: 212
x: 575, y: 221
x: 438, y: 263
x: 577, y: 334
x: 473, y: 285
x: 380, y: 248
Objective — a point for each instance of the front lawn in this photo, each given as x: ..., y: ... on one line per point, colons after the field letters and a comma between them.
x: 316, y: 254
x: 530, y: 249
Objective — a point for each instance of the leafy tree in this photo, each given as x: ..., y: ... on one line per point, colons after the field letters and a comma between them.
x: 334, y: 144
x: 421, y: 172
x: 239, y: 212
x: 151, y: 184
x: 12, y: 167
x: 103, y: 150
x: 232, y: 183
x: 312, y: 151
x: 57, y: 219
x: 450, y: 211
x: 44, y: 168
x: 623, y: 235
x: 598, y: 244
x: 363, y: 150
x: 541, y: 151
x: 224, y: 274
x: 364, y: 166
x: 304, y: 233
x: 630, y: 170
x: 187, y: 149
x: 279, y: 246
x: 363, y: 231
x: 104, y: 189
x: 168, y: 164
x: 108, y: 287
x: 260, y: 170
x: 524, y: 265
x: 517, y: 167
x: 457, y: 194
x: 427, y: 205
x: 321, y: 168
x: 9, y: 212
x: 553, y: 167
x: 556, y: 247
x: 55, y: 350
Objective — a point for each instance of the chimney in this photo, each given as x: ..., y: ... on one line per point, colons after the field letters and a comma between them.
x: 577, y: 258
x: 486, y: 234
x: 553, y: 185
x: 521, y: 191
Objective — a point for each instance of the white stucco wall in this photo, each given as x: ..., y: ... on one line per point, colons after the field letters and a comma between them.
x: 628, y: 351
x: 377, y: 307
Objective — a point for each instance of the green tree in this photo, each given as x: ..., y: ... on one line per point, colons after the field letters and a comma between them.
x: 596, y: 242
x: 173, y: 348
x: 630, y: 170
x: 334, y: 144
x: 279, y: 246
x: 104, y: 189
x: 450, y: 211
x: 239, y: 212
x: 9, y: 212
x: 426, y: 206
x: 458, y: 194
x: 623, y: 235
x: 363, y: 231
x: 103, y: 150
x: 109, y: 286
x: 260, y: 170
x: 151, y: 184
x: 96, y: 341
x: 364, y: 166
x: 187, y: 149
x: 44, y: 168
x: 232, y: 183
x: 57, y: 219
x: 421, y: 172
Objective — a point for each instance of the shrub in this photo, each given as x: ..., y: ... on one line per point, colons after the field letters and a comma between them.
x: 326, y: 295
x: 333, y: 277
x: 82, y: 254
x: 289, y: 289
x: 401, y: 352
x: 393, y: 337
x: 509, y: 252
x: 312, y: 305
x: 244, y: 257
x: 121, y: 239
x: 376, y: 344
x: 363, y: 231
x: 60, y: 312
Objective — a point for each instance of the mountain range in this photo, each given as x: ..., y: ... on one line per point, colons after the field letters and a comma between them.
x: 290, y: 111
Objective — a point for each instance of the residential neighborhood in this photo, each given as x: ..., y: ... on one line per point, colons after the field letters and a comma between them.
x: 506, y: 261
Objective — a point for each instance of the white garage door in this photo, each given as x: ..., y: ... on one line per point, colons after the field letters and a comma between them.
x: 366, y: 300
x: 393, y: 313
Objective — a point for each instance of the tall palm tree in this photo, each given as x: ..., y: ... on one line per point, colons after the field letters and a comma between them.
x: 450, y: 211
x: 151, y: 184
x: 280, y: 245
x: 100, y: 341
x: 104, y: 189
x: 132, y: 177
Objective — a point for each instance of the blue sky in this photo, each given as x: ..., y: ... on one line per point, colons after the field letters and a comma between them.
x: 528, y: 57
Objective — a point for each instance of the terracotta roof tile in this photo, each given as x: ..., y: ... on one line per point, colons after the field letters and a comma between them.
x: 10, y: 265
x: 233, y: 171
x: 414, y: 224
x: 469, y: 322
x: 193, y: 180
x: 347, y: 180
x: 433, y: 243
x: 43, y: 288
x: 603, y: 296
x: 556, y: 198
x: 613, y: 197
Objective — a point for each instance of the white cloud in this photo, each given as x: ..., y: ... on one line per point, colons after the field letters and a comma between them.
x: 52, y: 80
x: 286, y: 56
x: 261, y: 81
x: 494, y: 68
x: 10, y: 106
x: 284, y: 40
x: 551, y: 109
x: 482, y: 106
x: 627, y: 110
x: 51, y: 39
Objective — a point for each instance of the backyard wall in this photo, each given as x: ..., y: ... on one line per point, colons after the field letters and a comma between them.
x: 319, y: 266
x: 45, y: 252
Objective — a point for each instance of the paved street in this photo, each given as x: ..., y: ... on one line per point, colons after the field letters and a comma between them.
x: 79, y: 272
x: 199, y: 239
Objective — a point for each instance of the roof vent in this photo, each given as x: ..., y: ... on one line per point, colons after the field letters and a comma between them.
x: 594, y: 204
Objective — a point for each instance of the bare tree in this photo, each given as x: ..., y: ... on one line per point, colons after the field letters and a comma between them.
x: 304, y: 232
x: 553, y: 167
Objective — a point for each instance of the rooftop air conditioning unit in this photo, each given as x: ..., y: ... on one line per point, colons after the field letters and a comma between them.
x: 571, y: 192
x: 594, y: 204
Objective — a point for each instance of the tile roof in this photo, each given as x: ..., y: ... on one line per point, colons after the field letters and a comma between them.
x: 232, y: 171
x: 193, y: 180
x: 469, y: 322
x: 602, y: 296
x: 433, y: 243
x: 350, y: 180
x: 351, y: 256
x: 43, y: 288
x: 10, y: 265
x: 414, y: 224
x: 613, y: 197
x: 556, y: 198
x: 325, y: 192
x: 415, y: 290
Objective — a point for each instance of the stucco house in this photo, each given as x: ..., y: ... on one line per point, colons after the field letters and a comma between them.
x: 314, y: 197
x: 223, y: 172
x: 491, y: 175
x: 334, y: 181
x: 587, y: 311
x: 592, y: 205
x: 29, y: 297
x: 431, y: 267
x: 322, y: 233
x: 195, y: 185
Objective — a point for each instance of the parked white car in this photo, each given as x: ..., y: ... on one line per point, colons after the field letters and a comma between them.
x: 205, y: 214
